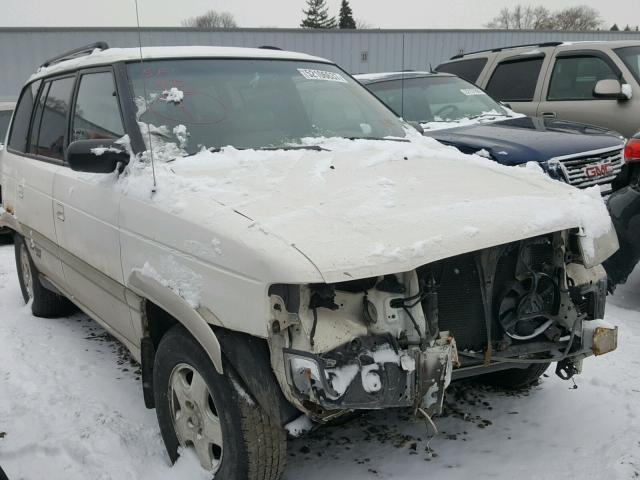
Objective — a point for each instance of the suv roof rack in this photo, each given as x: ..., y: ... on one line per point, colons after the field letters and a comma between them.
x: 499, y: 49
x: 76, y: 52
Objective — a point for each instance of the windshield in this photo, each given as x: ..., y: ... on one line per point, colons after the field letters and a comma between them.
x: 436, y: 99
x: 5, y: 118
x: 631, y: 58
x: 255, y: 103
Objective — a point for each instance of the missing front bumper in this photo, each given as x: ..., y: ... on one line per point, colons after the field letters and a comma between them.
x: 373, y: 373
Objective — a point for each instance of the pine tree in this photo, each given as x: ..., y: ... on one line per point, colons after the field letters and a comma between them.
x: 615, y: 28
x: 317, y: 15
x: 346, y: 16
x: 627, y: 28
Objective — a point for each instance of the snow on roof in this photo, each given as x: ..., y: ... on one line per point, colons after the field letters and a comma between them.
x: 111, y: 55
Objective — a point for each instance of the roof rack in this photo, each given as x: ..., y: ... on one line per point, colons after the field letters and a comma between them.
x: 269, y: 47
x: 76, y: 52
x: 499, y: 49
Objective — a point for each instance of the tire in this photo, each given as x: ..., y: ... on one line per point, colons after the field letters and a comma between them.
x: 247, y: 444
x: 515, y: 378
x: 44, y: 303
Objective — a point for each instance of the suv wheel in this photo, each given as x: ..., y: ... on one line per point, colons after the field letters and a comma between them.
x: 200, y: 409
x: 515, y: 378
x: 44, y: 303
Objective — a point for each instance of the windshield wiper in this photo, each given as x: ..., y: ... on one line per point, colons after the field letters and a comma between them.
x: 491, y: 115
x: 386, y: 139
x: 316, y: 148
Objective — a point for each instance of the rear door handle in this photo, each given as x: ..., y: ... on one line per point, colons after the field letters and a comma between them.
x: 549, y: 115
x: 60, y: 212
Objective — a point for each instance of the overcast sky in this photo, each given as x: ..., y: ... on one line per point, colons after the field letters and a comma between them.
x: 286, y: 13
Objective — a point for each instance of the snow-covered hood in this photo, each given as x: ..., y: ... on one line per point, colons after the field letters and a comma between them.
x: 369, y: 208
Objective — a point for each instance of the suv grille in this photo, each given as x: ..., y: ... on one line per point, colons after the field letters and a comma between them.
x: 589, y: 169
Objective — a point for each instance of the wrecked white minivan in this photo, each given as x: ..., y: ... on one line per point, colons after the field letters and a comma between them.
x: 276, y: 248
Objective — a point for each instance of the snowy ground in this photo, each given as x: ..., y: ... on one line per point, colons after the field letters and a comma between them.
x: 71, y: 409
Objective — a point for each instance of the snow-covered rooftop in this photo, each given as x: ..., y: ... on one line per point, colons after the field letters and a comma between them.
x: 111, y: 55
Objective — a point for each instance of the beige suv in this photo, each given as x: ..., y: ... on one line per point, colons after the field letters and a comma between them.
x: 589, y: 82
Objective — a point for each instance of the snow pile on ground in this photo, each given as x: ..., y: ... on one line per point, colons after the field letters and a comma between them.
x: 71, y: 408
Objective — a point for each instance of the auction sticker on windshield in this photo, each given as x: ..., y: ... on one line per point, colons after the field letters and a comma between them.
x: 321, y: 75
x: 471, y: 91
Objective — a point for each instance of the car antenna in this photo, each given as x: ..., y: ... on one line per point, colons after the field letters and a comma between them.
x: 401, y: 82
x: 146, y: 103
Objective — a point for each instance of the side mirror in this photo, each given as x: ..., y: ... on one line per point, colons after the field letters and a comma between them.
x: 96, y: 156
x: 417, y: 126
x: 609, y: 89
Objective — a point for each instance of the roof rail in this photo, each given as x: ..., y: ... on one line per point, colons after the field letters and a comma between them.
x: 499, y: 49
x: 269, y: 47
x: 76, y: 52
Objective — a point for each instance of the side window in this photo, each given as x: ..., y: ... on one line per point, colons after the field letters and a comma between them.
x: 516, y: 80
x: 574, y: 78
x: 467, y: 69
x: 20, y: 128
x: 53, y: 125
x: 97, y: 114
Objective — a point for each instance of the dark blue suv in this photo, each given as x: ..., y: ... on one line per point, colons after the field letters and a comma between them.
x: 457, y: 113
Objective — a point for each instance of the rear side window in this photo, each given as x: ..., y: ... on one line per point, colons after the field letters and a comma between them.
x: 5, y: 117
x: 574, y: 78
x: 515, y: 81
x: 20, y: 128
x: 466, y: 69
x: 53, y: 125
x: 97, y: 114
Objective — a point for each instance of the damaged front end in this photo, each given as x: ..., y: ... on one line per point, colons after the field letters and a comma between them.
x: 398, y: 340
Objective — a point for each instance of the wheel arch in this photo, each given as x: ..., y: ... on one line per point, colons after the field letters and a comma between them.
x: 157, y: 296
x: 247, y: 356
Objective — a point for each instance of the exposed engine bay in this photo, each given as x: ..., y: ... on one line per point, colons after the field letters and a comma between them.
x: 399, y: 340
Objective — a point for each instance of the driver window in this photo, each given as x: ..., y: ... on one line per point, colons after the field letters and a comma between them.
x: 97, y: 114
x: 575, y: 78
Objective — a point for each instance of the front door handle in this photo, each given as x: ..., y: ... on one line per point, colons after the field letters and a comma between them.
x: 549, y: 115
x: 20, y: 190
x: 60, y: 212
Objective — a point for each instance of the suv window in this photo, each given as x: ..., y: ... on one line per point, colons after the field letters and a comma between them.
x: 5, y: 117
x: 22, y: 118
x: 96, y: 113
x: 574, y: 78
x: 516, y: 80
x: 250, y: 103
x: 53, y: 125
x: 466, y: 69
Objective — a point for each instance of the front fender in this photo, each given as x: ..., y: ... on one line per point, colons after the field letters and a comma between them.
x: 165, y: 298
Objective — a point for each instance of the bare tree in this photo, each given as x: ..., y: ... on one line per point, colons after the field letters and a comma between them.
x: 577, y: 18
x: 522, y: 18
x: 363, y: 24
x: 211, y: 19
x: 541, y: 18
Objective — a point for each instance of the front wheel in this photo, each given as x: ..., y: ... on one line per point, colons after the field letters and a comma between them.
x: 199, y: 408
